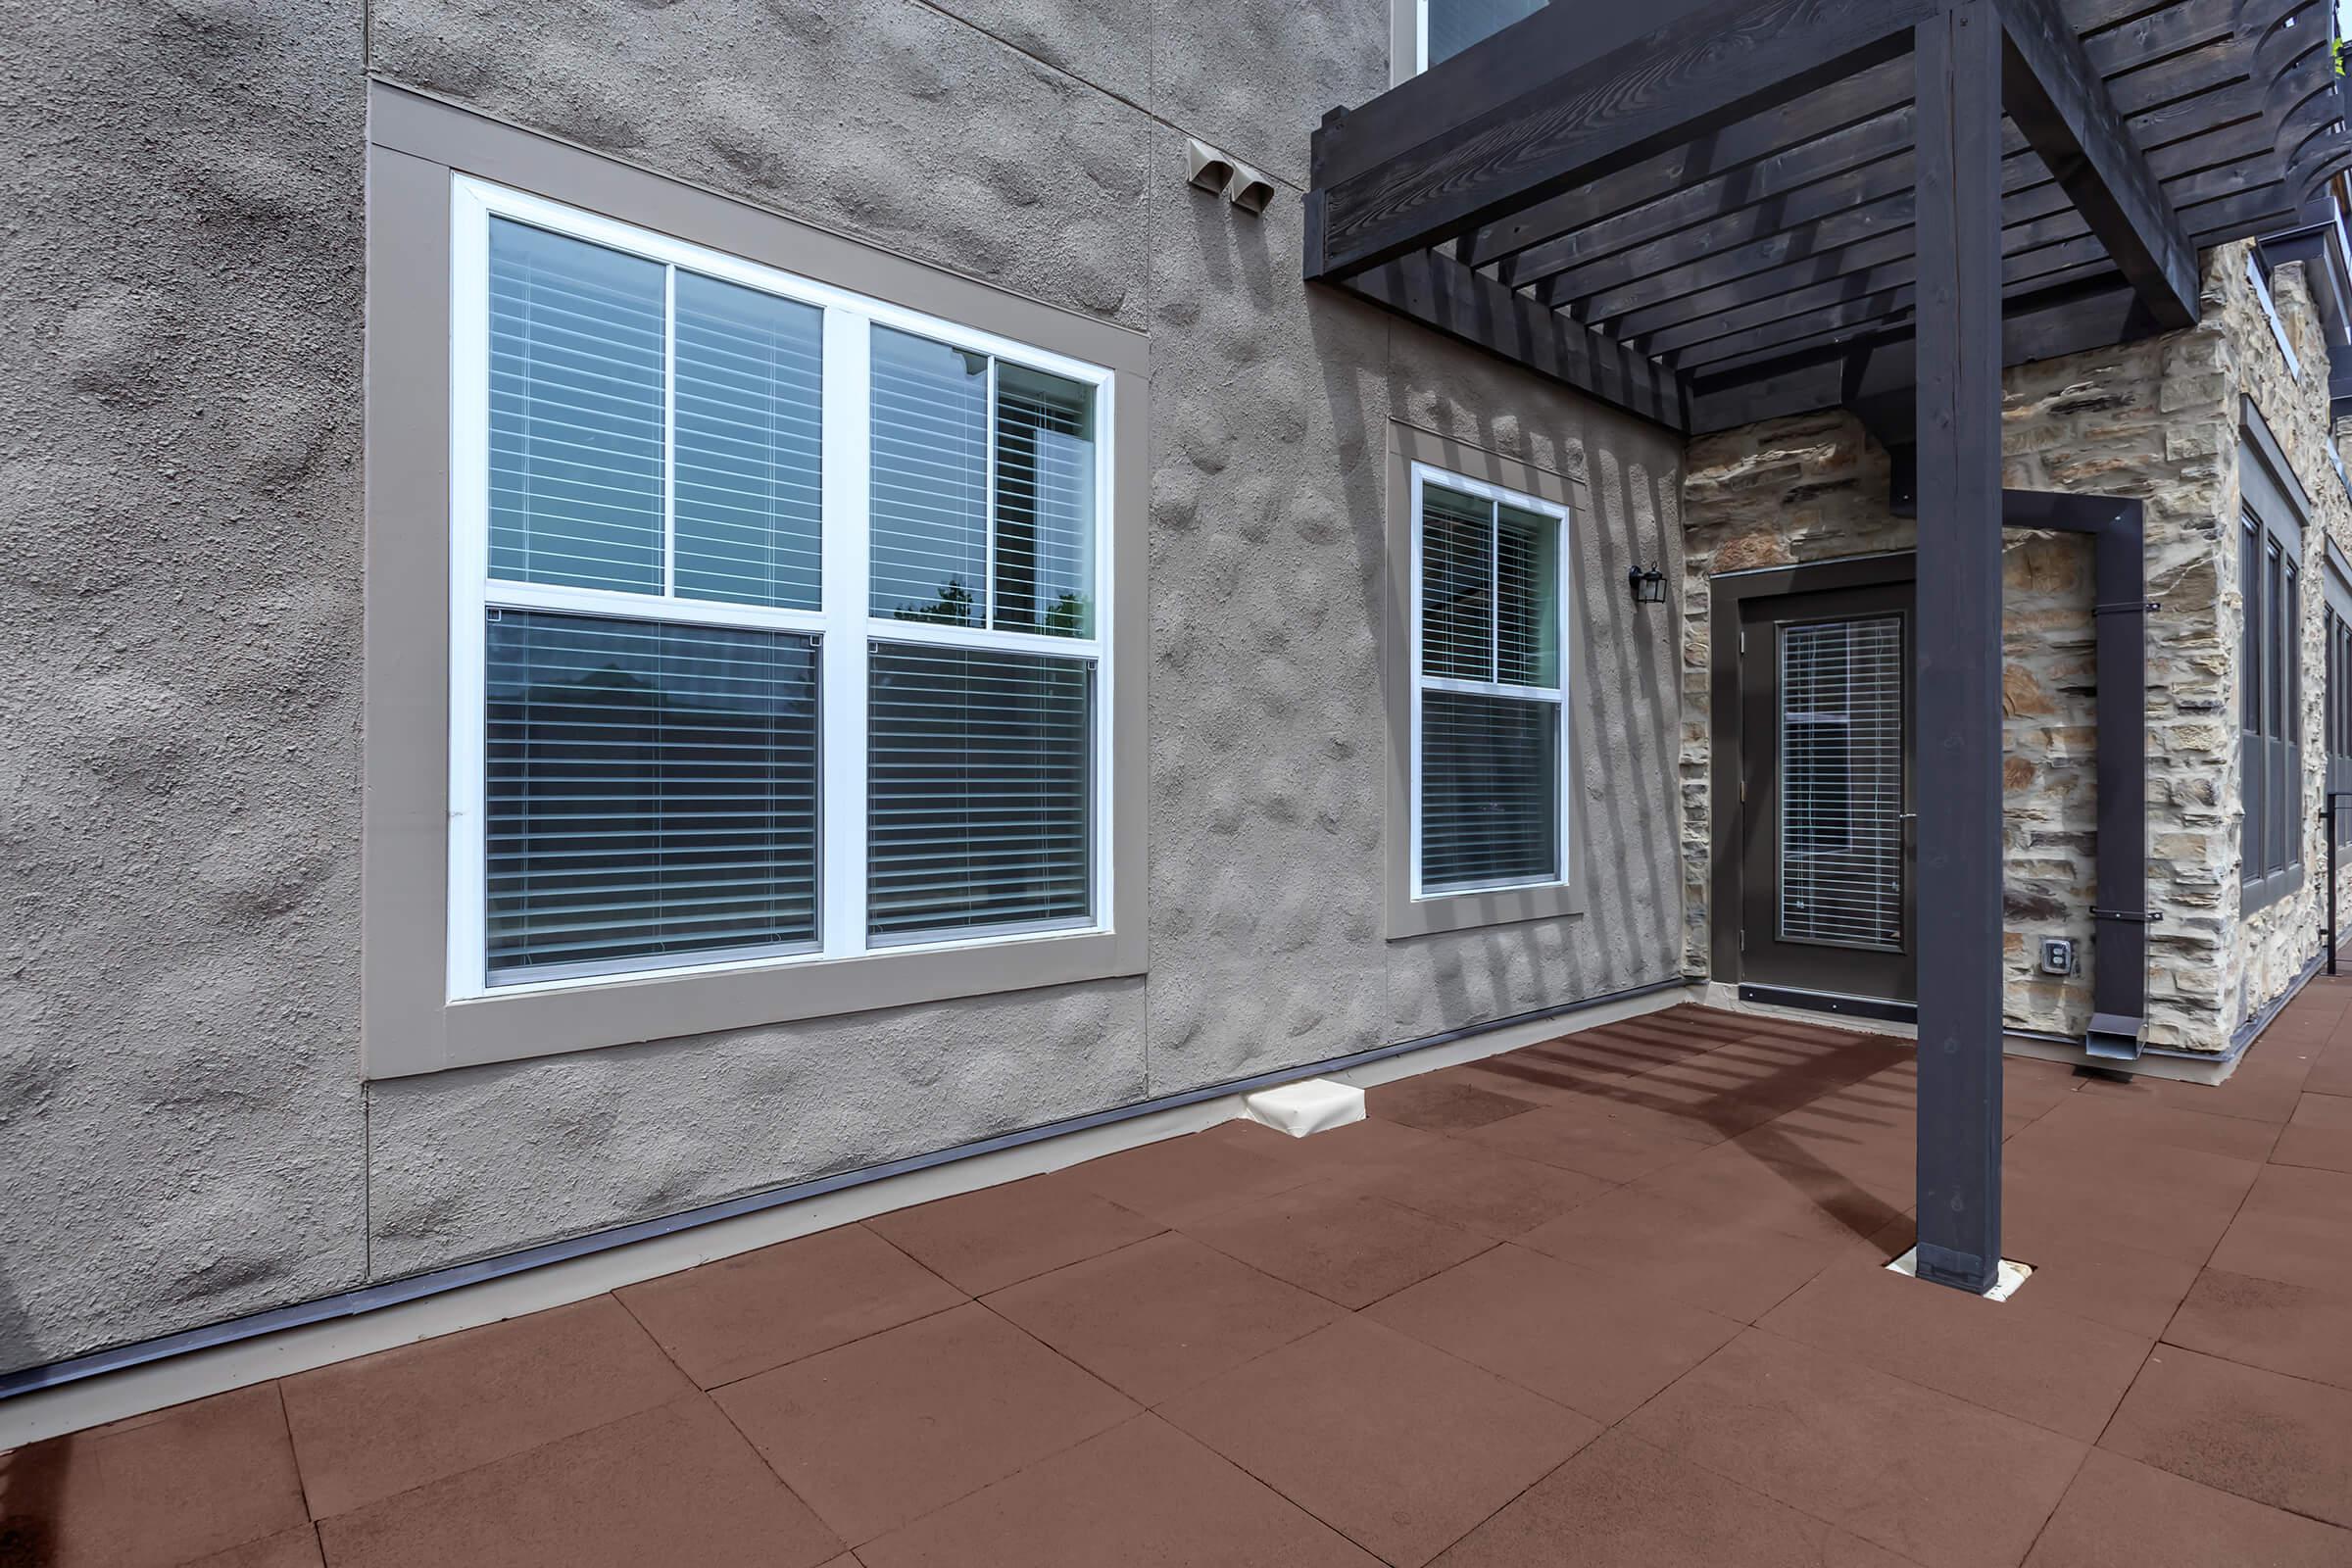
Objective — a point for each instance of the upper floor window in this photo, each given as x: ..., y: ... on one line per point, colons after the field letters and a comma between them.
x: 1489, y: 726
x: 1443, y: 29
x: 778, y: 615
x: 2271, y: 709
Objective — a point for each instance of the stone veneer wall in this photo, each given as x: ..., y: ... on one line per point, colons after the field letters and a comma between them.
x: 2159, y: 420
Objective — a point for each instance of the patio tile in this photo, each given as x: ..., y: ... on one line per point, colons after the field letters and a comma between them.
x: 1344, y: 1247
x: 1579, y: 1337
x: 1621, y: 1503
x: 2064, y: 1373
x: 1783, y: 1192
x: 2092, y: 1119
x: 2331, y: 1073
x: 984, y: 1241
x: 1158, y: 1318
x: 1187, y: 1178
x: 156, y: 1490
x: 1920, y: 1473
x: 1398, y: 1447
x: 2261, y: 1435
x: 1723, y: 1265
x: 2123, y: 1514
x: 384, y: 1423
x: 1583, y: 1137
x: 2282, y: 1328
x: 2292, y: 1228
x: 1464, y: 1184
x: 2079, y: 1271
x: 879, y: 1433
x: 744, y: 1314
x: 292, y: 1548
x: 2174, y: 1201
x: 2264, y: 1088
x: 1443, y: 1103
x: 1141, y: 1493
x: 676, y: 1485
x: 2318, y: 1135
x: 1370, y: 1142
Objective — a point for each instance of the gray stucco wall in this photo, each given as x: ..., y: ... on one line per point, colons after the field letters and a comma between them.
x: 183, y: 1131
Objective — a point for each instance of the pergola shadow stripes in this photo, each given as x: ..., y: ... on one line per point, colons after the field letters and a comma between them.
x: 1768, y: 207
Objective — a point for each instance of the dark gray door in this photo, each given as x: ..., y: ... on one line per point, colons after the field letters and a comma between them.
x: 1824, y: 726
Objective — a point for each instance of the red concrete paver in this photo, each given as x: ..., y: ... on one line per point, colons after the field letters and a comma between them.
x: 1161, y: 1316
x: 730, y: 1319
x: 2296, y: 1226
x: 676, y: 1485
x: 1399, y: 1447
x: 291, y: 1548
x: 2094, y: 1120
x: 1143, y: 1492
x: 2318, y: 1135
x: 878, y: 1432
x: 1187, y: 1178
x: 1621, y: 1503
x: 2079, y: 1271
x: 1584, y: 1136
x: 999, y: 1236
x: 2064, y: 1373
x: 1723, y: 1265
x: 1443, y: 1103
x: 1586, y: 1340
x: 2261, y: 1435
x: 2177, y: 1203
x: 1926, y: 1476
x: 2281, y: 1328
x: 387, y: 1422
x: 1344, y: 1247
x: 158, y: 1490
x: 2123, y: 1514
x: 1464, y: 1184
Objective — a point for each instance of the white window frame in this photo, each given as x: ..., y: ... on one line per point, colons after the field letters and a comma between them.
x: 1422, y: 475
x: 844, y: 623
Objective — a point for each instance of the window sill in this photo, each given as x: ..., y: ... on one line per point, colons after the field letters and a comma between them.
x: 521, y: 1025
x: 1468, y: 911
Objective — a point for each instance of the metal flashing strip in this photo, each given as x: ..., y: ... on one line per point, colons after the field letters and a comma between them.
x: 1884, y: 1009
x: 396, y: 1293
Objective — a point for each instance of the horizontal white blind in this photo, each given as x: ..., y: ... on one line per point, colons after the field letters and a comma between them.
x: 1527, y: 576
x: 1489, y: 781
x: 978, y: 792
x: 577, y: 411
x: 1841, y: 782
x: 651, y: 791
x: 930, y: 481
x: 1045, y: 544
x: 1457, y: 585
x: 749, y: 426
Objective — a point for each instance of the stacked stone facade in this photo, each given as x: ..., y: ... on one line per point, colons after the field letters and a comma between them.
x: 2158, y: 420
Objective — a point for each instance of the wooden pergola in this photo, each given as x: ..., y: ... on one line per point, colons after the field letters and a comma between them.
x: 1766, y: 207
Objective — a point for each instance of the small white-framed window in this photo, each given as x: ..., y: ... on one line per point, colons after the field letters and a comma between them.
x: 1443, y: 29
x: 1490, y: 726
x: 778, y: 615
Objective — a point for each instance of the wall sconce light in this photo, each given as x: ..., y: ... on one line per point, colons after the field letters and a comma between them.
x: 1649, y: 584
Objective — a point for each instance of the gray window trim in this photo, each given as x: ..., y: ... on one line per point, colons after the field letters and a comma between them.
x: 408, y: 1024
x: 1408, y: 916
x: 2274, y: 498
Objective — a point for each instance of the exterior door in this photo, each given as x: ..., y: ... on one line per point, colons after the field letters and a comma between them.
x: 1824, y: 779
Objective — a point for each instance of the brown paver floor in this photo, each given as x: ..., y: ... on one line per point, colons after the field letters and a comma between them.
x: 1615, y: 1300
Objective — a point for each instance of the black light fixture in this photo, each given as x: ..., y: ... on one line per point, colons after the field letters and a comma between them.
x: 1649, y: 584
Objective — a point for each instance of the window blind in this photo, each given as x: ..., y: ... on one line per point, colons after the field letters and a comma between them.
x: 651, y: 791
x: 979, y: 784
x: 1840, y: 794
x: 749, y: 426
x: 1490, y: 779
x: 577, y: 411
x: 1457, y: 585
x: 930, y: 481
x: 1045, y: 545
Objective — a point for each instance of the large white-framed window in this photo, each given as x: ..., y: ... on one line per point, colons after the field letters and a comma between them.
x: 1491, y: 670
x: 779, y: 616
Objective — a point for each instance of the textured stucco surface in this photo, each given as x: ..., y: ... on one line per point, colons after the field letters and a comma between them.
x: 2157, y: 420
x: 183, y: 1131
x: 180, y: 1121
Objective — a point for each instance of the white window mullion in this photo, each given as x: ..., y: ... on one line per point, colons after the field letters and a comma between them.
x: 988, y: 547
x: 841, y: 738
x: 469, y: 565
x: 669, y: 430
x: 1414, y: 653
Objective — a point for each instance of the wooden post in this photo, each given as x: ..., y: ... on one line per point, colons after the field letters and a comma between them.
x: 1958, y: 644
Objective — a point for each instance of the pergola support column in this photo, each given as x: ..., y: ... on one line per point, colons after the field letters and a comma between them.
x: 1958, y: 644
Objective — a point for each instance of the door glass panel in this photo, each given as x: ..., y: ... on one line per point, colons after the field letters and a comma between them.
x: 1840, y: 794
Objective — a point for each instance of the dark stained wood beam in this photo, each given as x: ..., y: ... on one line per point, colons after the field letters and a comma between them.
x: 1722, y: 63
x: 1443, y: 295
x: 1956, y: 652
x: 2055, y: 96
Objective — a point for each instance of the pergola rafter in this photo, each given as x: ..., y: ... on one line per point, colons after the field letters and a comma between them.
x: 1766, y: 207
